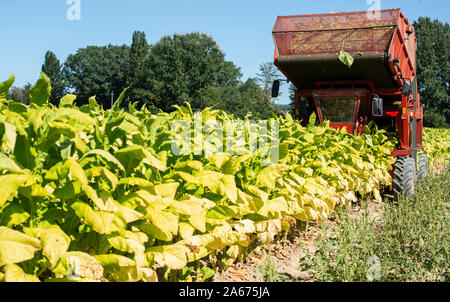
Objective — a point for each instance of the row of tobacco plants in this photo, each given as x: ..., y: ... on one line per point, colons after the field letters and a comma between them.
x: 94, y: 195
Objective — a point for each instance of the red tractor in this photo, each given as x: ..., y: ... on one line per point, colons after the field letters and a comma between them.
x: 380, y: 85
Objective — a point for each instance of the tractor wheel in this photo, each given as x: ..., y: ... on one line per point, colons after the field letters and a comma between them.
x: 423, y: 167
x: 404, y: 176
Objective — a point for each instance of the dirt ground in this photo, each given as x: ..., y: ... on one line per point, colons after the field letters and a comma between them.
x: 287, y: 253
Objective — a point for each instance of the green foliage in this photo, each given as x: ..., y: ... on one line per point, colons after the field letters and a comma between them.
x: 53, y: 69
x: 20, y: 94
x: 346, y: 58
x: 4, y: 87
x: 437, y: 144
x: 433, y: 67
x: 179, y: 66
x: 268, y: 73
x: 40, y: 93
x: 269, y: 270
x: 177, y: 69
x: 97, y: 71
x: 138, y: 53
x: 434, y: 120
x: 89, y: 194
x: 410, y: 240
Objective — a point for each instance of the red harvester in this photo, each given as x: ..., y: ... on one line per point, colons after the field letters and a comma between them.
x: 380, y: 85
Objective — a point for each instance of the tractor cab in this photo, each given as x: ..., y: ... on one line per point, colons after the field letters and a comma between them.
x: 343, y: 108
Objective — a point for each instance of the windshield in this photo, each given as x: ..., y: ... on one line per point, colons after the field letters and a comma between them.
x: 337, y: 110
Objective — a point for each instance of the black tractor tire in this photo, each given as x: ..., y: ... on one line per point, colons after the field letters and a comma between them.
x: 404, y: 176
x: 424, y: 167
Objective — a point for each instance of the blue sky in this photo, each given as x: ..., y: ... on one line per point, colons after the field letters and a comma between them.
x: 242, y: 28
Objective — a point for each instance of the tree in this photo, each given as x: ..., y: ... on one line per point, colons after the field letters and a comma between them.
x: 98, y: 71
x: 138, y: 53
x: 434, y: 120
x: 180, y: 67
x: 224, y: 93
x: 268, y: 72
x: 20, y: 95
x: 52, y: 68
x: 255, y: 100
x: 433, y: 65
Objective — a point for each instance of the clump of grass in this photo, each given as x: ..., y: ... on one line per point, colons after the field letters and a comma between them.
x: 411, y: 241
x: 269, y: 270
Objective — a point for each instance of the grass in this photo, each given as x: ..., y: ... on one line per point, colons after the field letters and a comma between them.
x: 410, y: 241
x: 269, y: 270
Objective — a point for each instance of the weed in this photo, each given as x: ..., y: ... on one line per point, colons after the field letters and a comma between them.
x: 410, y: 243
x: 269, y: 270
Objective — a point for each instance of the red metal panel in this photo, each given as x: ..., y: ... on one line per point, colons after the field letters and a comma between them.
x: 333, y: 41
x: 401, y: 152
x: 330, y: 33
x: 334, y: 21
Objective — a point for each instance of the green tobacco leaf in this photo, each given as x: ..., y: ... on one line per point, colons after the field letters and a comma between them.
x: 199, y: 222
x: 101, y: 222
x: 268, y: 176
x: 139, y: 153
x: 172, y: 256
x: 155, y: 232
x: 16, y: 247
x: 186, y: 230
x: 9, y: 165
x: 232, y: 166
x: 10, y: 184
x: 121, y: 268
x: 104, y: 202
x: 54, y: 241
x: 67, y: 100
x: 129, y: 245
x: 126, y: 214
x: 105, y: 174
x: 346, y: 58
x: 40, y: 92
x: 78, y: 266
x: 13, y: 273
x: 167, y: 190
x: 106, y: 156
x: 13, y: 215
x: 118, y: 102
x: 74, y: 170
x: 219, y: 183
x: 166, y: 223
x: 17, y: 107
x: 10, y: 135
x: 207, y: 273
x: 135, y: 181
x: 220, y: 212
x: 72, y: 116
x: 187, y: 207
x: 4, y: 86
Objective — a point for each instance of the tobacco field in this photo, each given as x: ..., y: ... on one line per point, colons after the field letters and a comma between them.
x: 94, y: 195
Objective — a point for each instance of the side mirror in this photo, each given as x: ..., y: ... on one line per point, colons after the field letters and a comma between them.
x: 407, y: 88
x: 377, y: 106
x: 275, y: 88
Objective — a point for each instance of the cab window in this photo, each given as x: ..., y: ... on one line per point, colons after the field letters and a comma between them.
x: 337, y: 110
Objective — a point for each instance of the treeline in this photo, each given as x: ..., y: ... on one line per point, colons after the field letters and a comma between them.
x: 433, y: 70
x: 177, y: 69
